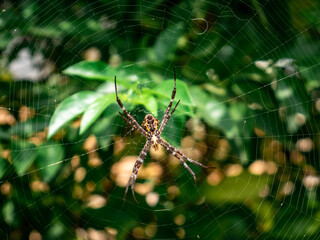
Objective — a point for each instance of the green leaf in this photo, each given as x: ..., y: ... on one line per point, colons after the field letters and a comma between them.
x: 23, y: 155
x: 49, y: 160
x: 91, y: 70
x: 241, y: 131
x: 70, y: 108
x: 148, y: 101
x: 94, y: 111
x: 165, y: 90
x: 215, y: 113
x: 228, y: 118
x: 290, y: 91
x: 167, y: 42
x: 104, y: 129
x: 126, y: 73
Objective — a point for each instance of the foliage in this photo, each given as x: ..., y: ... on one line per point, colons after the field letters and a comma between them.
x: 248, y: 81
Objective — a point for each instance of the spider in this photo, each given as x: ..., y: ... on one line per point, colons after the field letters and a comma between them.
x: 149, y: 129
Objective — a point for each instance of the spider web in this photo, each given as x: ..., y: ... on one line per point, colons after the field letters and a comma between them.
x: 73, y: 187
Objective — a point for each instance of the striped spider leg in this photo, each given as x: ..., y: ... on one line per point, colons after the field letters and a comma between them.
x: 166, y: 115
x: 149, y: 128
x: 130, y: 119
x: 135, y: 169
x: 183, y: 158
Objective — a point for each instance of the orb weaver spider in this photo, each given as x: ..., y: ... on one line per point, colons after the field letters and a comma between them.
x: 149, y: 129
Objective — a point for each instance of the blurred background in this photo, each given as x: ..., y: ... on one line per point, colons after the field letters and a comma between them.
x: 248, y: 81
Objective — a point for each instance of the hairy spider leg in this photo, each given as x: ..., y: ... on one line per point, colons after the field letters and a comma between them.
x: 130, y: 122
x: 126, y: 112
x: 165, y: 144
x: 163, y: 123
x: 178, y: 154
x: 167, y: 119
x: 175, y: 153
x: 135, y: 169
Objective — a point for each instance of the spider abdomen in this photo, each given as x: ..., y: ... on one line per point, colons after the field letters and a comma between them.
x: 154, y: 140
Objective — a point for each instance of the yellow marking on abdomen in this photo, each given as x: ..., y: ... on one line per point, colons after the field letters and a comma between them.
x: 154, y: 141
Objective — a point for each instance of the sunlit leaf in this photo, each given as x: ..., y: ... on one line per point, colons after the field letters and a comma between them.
x: 148, y: 101
x: 98, y: 70
x: 215, y: 113
x: 104, y: 129
x: 91, y: 70
x: 182, y: 92
x: 92, y: 113
x: 70, y: 108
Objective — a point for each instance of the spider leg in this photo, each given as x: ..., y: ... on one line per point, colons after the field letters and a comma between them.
x: 173, y: 149
x: 178, y: 154
x: 130, y: 122
x: 187, y: 167
x: 133, y: 121
x: 167, y: 119
x: 135, y: 170
x: 165, y: 116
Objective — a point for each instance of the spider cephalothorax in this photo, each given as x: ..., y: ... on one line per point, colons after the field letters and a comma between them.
x: 150, y: 123
x: 150, y: 130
